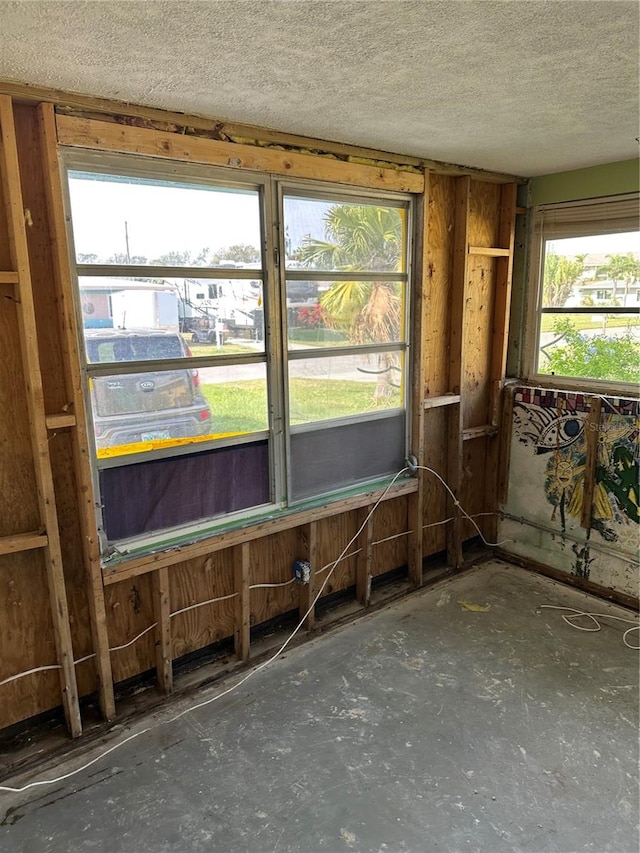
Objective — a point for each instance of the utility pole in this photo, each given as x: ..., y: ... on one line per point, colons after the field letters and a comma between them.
x: 126, y: 240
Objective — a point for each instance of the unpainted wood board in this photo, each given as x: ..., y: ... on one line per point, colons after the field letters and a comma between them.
x: 18, y: 498
x: 40, y: 259
x: 484, y: 212
x: 435, y: 497
x: 107, y: 136
x: 197, y: 580
x: 418, y: 384
x: 333, y: 533
x: 593, y: 428
x: 473, y: 483
x: 6, y: 262
x: 271, y: 561
x: 477, y: 341
x: 390, y: 519
x: 26, y: 638
x: 18, y: 219
x: 49, y: 346
x: 129, y: 607
x: 69, y: 344
x: 437, y: 283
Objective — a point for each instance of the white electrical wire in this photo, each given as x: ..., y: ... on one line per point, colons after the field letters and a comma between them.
x: 329, y: 565
x: 389, y: 538
x: 272, y: 585
x: 436, y: 523
x: 137, y: 637
x: 593, y: 617
x: 202, y: 604
x: 29, y: 672
x: 457, y: 504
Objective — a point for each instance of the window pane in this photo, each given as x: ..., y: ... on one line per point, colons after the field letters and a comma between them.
x: 332, y: 458
x: 237, y: 396
x: 598, y: 345
x: 340, y: 386
x: 602, y: 269
x: 321, y: 234
x: 345, y: 312
x: 145, y: 411
x: 126, y: 220
x: 127, y: 319
x: 137, y: 412
x: 163, y: 493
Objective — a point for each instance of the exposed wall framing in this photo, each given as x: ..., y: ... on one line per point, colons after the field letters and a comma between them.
x: 145, y: 613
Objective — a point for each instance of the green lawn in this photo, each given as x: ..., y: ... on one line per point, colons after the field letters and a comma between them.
x: 242, y: 406
x: 238, y: 406
x: 584, y: 321
x: 201, y: 350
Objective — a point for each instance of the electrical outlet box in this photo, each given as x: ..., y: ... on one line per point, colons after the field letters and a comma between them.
x: 302, y: 571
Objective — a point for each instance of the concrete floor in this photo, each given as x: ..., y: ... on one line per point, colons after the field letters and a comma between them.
x: 423, y: 727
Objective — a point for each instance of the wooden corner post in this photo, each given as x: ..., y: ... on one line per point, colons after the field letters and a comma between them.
x: 415, y: 505
x: 25, y: 312
x: 73, y: 383
x: 456, y: 366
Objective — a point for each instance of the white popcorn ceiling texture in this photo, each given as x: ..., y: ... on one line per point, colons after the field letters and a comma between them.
x: 521, y: 86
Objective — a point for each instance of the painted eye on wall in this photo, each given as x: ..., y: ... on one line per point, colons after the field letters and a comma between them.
x: 560, y: 433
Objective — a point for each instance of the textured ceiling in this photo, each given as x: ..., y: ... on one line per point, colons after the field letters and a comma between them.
x: 521, y: 86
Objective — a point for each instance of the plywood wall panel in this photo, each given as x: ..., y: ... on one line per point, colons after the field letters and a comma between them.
x: 435, y: 498
x: 129, y: 607
x: 18, y: 498
x: 437, y: 284
x: 195, y: 581
x: 484, y: 210
x: 40, y: 258
x: 472, y: 492
x: 389, y: 519
x: 332, y: 535
x: 477, y: 339
x: 483, y: 230
x: 272, y: 560
x: 26, y: 638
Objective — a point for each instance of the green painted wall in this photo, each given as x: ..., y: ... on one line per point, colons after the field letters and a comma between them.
x: 594, y: 182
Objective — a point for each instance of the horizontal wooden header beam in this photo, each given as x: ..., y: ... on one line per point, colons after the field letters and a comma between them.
x: 234, y: 130
x: 109, y: 136
x: 142, y: 565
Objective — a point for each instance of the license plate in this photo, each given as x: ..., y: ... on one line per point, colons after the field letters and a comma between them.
x: 154, y: 436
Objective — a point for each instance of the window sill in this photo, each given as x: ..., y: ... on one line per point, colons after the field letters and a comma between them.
x: 128, y: 566
x: 601, y: 387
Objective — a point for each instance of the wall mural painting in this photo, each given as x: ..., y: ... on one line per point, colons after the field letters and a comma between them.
x: 553, y: 423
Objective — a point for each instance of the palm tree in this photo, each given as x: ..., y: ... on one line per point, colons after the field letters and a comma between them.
x: 362, y: 238
x: 560, y: 275
x: 621, y: 268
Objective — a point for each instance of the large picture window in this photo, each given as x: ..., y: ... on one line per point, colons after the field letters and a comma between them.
x: 586, y: 268
x: 243, y: 343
